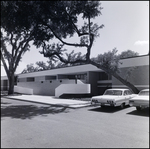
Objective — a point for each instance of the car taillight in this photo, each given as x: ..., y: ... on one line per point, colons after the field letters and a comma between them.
x: 94, y: 100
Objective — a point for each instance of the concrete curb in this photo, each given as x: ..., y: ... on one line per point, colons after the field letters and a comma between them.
x: 73, y: 106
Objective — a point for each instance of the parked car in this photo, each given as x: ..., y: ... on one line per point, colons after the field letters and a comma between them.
x: 113, y: 97
x: 141, y: 100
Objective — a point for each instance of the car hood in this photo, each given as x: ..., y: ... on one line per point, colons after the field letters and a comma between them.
x: 140, y: 98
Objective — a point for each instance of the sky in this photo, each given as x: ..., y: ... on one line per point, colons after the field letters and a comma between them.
x: 126, y: 27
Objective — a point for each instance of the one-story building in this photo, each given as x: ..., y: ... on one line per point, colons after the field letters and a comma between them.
x: 82, y: 79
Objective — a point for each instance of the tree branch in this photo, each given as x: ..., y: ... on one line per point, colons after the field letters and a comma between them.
x: 62, y: 59
x: 69, y: 44
x: 99, y: 27
x: 5, y: 51
x: 75, y: 27
x: 17, y: 58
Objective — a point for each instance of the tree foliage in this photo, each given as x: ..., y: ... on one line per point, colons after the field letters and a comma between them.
x: 109, y: 60
x: 40, y: 66
x: 15, y: 38
x: 128, y: 54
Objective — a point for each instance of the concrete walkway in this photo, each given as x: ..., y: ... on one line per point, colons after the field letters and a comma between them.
x: 51, y: 100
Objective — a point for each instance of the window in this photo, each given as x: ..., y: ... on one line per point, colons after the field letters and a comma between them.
x: 104, y: 76
x: 144, y: 93
x: 113, y: 92
x: 81, y: 76
x: 50, y: 77
x: 30, y: 79
x: 127, y: 92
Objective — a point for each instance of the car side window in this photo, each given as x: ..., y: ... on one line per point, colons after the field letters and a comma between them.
x: 125, y: 93
x: 129, y: 92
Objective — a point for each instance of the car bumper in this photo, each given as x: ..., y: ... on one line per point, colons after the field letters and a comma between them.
x: 138, y: 104
x: 102, y: 104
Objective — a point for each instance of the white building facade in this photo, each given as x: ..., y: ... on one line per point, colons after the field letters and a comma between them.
x: 82, y: 79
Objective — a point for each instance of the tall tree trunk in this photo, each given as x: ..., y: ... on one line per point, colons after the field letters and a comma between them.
x: 11, y: 84
x: 128, y: 84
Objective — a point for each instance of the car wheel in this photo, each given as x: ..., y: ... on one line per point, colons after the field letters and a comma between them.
x: 138, y: 108
x: 122, y: 105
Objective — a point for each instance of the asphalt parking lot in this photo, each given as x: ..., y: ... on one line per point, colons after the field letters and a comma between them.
x: 35, y: 125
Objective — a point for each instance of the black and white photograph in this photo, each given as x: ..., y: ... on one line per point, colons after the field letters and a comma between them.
x: 74, y: 74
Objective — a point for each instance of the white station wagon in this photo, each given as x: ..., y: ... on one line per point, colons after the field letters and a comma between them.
x: 113, y: 97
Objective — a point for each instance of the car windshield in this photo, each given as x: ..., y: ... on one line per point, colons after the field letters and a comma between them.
x: 113, y: 92
x: 146, y: 93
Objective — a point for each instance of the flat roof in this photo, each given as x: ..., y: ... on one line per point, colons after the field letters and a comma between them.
x: 63, y: 71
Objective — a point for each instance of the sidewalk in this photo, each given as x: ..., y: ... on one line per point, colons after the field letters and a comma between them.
x: 51, y: 100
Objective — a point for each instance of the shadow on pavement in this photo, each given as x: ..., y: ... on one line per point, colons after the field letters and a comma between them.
x: 144, y: 112
x: 107, y: 109
x: 2, y: 102
x: 29, y: 111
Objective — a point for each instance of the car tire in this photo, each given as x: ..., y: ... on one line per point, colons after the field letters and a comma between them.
x: 122, y: 105
x: 138, y: 108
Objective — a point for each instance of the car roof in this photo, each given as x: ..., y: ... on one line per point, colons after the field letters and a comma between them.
x: 145, y: 90
x: 122, y: 89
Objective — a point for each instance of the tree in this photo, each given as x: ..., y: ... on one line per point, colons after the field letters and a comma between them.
x: 109, y: 62
x: 20, y: 24
x: 47, y: 20
x: 33, y: 21
x: 19, y: 44
x: 30, y: 68
x: 128, y: 54
x: 40, y: 66
x: 87, y: 33
x: 14, y: 39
